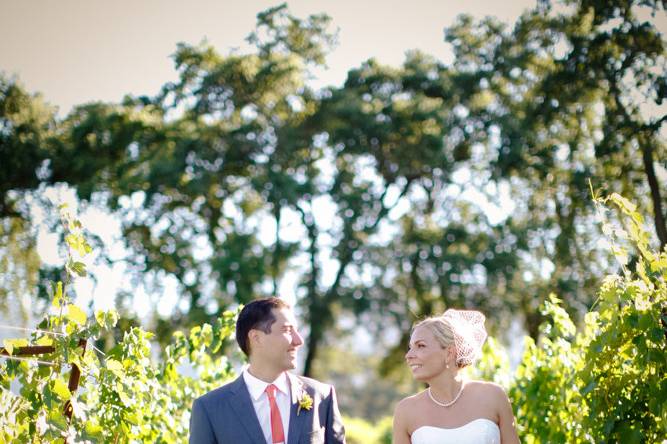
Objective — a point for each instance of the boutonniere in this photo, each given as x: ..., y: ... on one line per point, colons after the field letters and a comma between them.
x: 305, y: 402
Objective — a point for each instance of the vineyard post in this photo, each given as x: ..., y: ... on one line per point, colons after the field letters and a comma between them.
x: 36, y: 350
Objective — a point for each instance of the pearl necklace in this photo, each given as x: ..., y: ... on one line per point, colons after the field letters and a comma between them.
x: 446, y: 404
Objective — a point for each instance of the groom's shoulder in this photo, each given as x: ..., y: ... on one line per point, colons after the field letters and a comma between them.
x: 219, y: 393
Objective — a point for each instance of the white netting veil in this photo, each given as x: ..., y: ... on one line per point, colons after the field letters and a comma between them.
x: 469, y: 334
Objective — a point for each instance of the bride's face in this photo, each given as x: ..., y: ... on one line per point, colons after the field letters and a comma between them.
x: 426, y: 357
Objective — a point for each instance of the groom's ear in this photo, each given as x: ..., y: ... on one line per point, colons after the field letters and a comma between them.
x: 254, y: 337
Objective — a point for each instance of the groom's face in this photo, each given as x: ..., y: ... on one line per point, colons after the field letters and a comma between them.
x: 278, y: 348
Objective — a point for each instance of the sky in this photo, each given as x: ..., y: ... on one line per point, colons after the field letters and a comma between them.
x: 75, y: 51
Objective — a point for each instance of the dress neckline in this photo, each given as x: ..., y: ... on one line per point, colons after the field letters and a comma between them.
x: 457, y: 428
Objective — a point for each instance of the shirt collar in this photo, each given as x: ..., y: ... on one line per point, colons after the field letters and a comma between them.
x: 257, y: 387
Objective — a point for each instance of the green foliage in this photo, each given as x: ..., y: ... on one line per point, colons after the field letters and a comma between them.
x: 361, y: 393
x: 607, y: 381
x: 387, y: 180
x: 493, y: 365
x: 19, y: 265
x: 360, y: 431
x: 26, y: 127
x: 543, y: 395
x: 409, y: 159
x: 124, y: 395
x: 554, y: 101
x: 603, y: 382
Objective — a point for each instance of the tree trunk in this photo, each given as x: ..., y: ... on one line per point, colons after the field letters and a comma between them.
x: 314, y: 339
x: 313, y: 296
x: 276, y: 250
x: 320, y: 309
x: 321, y: 316
x: 658, y: 218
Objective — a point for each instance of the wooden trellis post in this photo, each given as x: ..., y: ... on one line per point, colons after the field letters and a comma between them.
x: 36, y: 350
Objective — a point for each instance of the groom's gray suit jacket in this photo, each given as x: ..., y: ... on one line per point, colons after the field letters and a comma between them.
x: 226, y: 415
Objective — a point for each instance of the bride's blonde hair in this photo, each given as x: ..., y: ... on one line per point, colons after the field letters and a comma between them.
x: 462, y: 328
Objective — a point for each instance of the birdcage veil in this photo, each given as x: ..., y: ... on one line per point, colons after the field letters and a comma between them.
x: 469, y: 334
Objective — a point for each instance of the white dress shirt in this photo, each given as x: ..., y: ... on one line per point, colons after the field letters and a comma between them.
x: 260, y: 401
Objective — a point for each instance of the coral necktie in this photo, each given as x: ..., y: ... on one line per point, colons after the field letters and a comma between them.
x: 277, y: 433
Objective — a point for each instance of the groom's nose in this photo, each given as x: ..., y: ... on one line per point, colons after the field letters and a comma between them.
x: 297, y: 340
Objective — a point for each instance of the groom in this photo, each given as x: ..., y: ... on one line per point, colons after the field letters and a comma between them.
x: 266, y: 404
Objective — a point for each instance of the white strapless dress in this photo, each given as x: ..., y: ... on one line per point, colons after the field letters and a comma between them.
x: 477, y: 431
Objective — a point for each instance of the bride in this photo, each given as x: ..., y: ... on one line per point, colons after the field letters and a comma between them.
x: 451, y: 409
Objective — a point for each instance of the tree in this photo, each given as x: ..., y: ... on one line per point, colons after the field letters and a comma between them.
x: 552, y: 103
x: 27, y: 125
x: 211, y: 158
x: 397, y: 133
x: 406, y: 190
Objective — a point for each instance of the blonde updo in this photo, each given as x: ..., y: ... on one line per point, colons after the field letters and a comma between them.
x: 464, y: 329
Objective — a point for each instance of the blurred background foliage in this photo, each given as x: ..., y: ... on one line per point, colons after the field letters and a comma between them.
x: 404, y: 191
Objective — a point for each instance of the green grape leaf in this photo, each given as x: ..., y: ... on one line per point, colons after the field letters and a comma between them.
x: 106, y: 319
x: 58, y: 294
x: 61, y: 389
x: 120, y: 391
x: 78, y: 243
x: 44, y: 340
x: 11, y: 344
x: 207, y: 334
x: 115, y: 367
x: 76, y: 315
x: 79, y: 268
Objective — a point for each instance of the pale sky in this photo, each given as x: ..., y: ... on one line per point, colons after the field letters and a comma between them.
x: 75, y: 51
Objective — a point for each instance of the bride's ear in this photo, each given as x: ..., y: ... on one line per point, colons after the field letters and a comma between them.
x: 451, y: 356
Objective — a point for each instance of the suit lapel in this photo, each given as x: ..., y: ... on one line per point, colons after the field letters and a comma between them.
x: 297, y: 420
x: 242, y: 406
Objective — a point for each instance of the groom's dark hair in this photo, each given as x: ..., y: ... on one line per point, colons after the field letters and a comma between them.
x: 257, y: 315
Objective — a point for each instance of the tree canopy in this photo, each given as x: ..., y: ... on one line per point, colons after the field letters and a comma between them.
x: 401, y: 192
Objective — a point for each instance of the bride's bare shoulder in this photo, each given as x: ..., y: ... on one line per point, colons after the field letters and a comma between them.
x: 407, y: 404
x: 487, y: 390
x: 404, y: 417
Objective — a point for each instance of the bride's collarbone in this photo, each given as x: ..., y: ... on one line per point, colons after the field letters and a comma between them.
x: 464, y: 412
